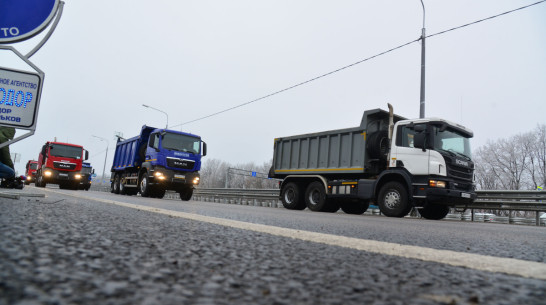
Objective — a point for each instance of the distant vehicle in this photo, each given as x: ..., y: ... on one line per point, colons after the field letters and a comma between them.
x: 86, y: 172
x: 60, y: 163
x: 30, y: 171
x: 389, y: 160
x: 157, y: 160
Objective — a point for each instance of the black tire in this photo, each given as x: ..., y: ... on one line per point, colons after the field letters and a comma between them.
x: 434, y: 211
x: 116, y: 183
x: 377, y: 145
x: 315, y: 197
x: 393, y: 200
x: 355, y: 207
x: 122, y: 188
x: 158, y: 194
x: 185, y: 195
x: 39, y: 181
x: 144, y: 185
x: 291, y: 197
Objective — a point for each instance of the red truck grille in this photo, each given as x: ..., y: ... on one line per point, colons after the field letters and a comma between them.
x: 64, y: 165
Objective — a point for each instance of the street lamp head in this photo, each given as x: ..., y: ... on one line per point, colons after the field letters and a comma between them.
x: 145, y: 105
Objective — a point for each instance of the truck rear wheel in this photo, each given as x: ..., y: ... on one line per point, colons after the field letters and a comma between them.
x: 291, y: 197
x: 434, y: 211
x: 315, y: 197
x: 116, y: 184
x: 355, y: 207
x: 393, y: 200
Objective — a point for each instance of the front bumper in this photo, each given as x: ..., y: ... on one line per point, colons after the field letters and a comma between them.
x: 449, y: 196
x: 56, y: 176
x: 173, y: 180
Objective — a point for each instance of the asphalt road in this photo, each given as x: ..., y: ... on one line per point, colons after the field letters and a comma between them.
x: 76, y: 247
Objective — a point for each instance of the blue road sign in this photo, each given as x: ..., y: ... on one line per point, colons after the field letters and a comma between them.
x: 22, y: 19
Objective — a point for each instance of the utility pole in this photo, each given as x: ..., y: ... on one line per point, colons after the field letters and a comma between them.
x: 423, y: 36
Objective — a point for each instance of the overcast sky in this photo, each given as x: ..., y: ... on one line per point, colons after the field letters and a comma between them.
x: 194, y: 58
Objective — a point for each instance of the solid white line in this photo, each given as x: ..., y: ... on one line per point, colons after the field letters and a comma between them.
x: 487, y: 263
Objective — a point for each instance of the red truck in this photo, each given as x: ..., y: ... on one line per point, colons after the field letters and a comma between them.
x: 60, y: 163
x: 30, y: 171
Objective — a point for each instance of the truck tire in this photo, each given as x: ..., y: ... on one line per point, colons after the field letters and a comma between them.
x: 355, y: 207
x: 122, y: 188
x: 158, y: 193
x: 434, y: 211
x: 116, y: 184
x: 377, y: 145
x: 315, y: 197
x: 144, y: 185
x: 291, y: 197
x: 186, y: 193
x: 393, y: 200
x: 39, y: 181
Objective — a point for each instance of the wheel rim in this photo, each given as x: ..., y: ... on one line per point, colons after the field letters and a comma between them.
x: 392, y: 199
x: 314, y: 197
x: 289, y: 196
x: 143, y: 184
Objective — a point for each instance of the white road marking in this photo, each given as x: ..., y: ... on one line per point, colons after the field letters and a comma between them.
x: 487, y: 263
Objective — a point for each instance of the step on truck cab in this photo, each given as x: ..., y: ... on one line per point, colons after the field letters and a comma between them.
x: 391, y: 161
x: 60, y: 163
x: 157, y: 160
x: 30, y: 171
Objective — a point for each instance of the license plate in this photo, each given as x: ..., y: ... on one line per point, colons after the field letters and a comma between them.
x: 180, y: 176
x: 63, y: 175
x: 465, y: 195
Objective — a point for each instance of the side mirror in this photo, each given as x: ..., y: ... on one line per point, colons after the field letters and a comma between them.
x: 204, y: 149
x: 43, y: 150
x: 419, y: 140
x: 86, y: 155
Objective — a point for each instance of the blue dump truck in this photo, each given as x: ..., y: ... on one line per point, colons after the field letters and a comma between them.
x: 155, y: 161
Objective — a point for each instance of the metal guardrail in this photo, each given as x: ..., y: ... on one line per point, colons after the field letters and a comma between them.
x: 531, y: 201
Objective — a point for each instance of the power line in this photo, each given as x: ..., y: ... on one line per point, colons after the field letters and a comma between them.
x: 485, y: 19
x: 354, y: 64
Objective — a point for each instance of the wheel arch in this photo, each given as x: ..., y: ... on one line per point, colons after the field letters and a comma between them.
x: 400, y: 176
x: 304, y: 180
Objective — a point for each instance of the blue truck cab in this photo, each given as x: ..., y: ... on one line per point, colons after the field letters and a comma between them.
x: 157, y: 160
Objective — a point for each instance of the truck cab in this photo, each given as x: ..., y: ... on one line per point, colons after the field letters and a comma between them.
x: 30, y: 171
x: 60, y: 163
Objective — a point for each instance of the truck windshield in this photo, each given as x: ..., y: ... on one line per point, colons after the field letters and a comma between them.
x: 180, y: 142
x: 66, y: 151
x: 451, y: 141
x: 33, y: 165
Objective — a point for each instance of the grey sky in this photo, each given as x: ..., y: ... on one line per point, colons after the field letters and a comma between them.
x: 194, y: 58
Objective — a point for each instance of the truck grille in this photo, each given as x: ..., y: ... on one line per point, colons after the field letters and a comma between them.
x: 458, y: 172
x: 63, y: 165
x: 180, y: 163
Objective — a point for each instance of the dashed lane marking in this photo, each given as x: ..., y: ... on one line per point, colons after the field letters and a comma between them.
x: 511, y: 266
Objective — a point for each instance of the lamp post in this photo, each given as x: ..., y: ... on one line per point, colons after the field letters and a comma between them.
x: 166, y: 126
x: 105, y: 155
x: 422, y: 101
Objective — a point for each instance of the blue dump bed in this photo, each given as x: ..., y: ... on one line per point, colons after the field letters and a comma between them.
x: 130, y: 153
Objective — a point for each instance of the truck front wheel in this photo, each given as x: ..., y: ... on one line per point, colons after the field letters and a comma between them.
x: 186, y: 193
x: 291, y: 197
x: 315, y: 197
x: 393, y: 200
x: 144, y: 185
x: 434, y: 211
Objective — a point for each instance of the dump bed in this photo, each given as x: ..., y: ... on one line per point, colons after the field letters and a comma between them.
x: 341, y: 151
x: 131, y: 152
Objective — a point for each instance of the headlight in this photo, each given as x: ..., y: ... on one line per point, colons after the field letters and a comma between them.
x: 196, y: 180
x: 436, y: 183
x: 48, y: 173
x: 159, y: 175
x: 77, y: 176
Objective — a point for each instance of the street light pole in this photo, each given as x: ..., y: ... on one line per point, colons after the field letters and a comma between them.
x: 166, y: 126
x: 422, y: 102
x: 105, y: 155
